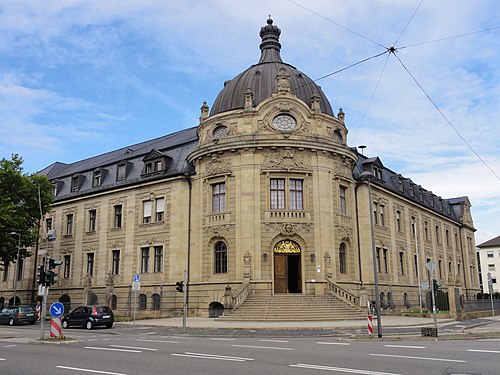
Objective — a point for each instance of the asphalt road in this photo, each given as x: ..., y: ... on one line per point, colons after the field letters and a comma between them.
x: 150, y: 351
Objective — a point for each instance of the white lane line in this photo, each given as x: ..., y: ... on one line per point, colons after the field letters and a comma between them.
x: 274, y: 340
x: 133, y: 347
x: 2, y: 359
x: 341, y: 369
x: 332, y: 343
x: 221, y: 339
x: 9, y: 346
x: 483, y: 351
x: 424, y: 358
x: 212, y: 356
x: 106, y: 339
x: 113, y: 350
x: 92, y: 340
x: 489, y: 340
x: 89, y: 370
x: 160, y: 341
x: 150, y: 333
x: 405, y: 346
x: 174, y: 337
x: 261, y: 347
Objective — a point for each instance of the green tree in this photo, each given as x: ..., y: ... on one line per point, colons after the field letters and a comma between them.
x: 24, y: 198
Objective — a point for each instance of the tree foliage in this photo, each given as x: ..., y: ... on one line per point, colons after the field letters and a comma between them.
x: 24, y: 199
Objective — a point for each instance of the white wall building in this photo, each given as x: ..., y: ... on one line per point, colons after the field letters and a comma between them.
x: 489, y: 258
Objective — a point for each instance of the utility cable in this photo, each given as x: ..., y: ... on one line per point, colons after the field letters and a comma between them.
x: 336, y: 23
x: 404, y: 28
x: 446, y: 119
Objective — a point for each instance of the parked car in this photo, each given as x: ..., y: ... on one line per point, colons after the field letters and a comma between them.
x: 17, y: 315
x: 89, y: 317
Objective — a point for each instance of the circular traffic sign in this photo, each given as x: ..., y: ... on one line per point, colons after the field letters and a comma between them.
x: 56, y: 309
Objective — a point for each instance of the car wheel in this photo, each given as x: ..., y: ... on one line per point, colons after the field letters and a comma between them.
x: 11, y: 322
x: 89, y: 324
x: 109, y: 325
x: 65, y: 324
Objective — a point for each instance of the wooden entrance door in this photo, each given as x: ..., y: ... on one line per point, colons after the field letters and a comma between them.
x: 280, y: 273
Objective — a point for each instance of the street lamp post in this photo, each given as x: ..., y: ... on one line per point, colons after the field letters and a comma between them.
x: 17, y: 264
x: 366, y: 175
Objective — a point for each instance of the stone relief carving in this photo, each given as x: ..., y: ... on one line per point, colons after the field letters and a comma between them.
x: 286, y: 159
x: 218, y: 230
x: 283, y: 81
x: 247, y: 265
x: 288, y: 229
x: 218, y: 166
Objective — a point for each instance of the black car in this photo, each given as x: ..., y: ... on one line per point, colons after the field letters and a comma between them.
x: 89, y: 317
x: 18, y: 314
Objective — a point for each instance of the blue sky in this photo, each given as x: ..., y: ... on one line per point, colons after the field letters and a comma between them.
x: 80, y: 78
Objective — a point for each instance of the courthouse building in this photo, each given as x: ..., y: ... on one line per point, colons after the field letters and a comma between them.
x: 263, y: 197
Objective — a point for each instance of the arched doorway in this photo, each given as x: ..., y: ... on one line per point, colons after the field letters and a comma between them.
x: 287, y: 267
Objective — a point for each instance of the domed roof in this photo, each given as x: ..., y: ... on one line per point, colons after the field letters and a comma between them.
x: 261, y: 78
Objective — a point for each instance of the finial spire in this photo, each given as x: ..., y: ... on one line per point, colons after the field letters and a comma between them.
x: 270, y: 46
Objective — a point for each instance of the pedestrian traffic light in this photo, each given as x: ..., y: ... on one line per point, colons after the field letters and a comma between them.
x: 41, y: 276
x: 179, y: 286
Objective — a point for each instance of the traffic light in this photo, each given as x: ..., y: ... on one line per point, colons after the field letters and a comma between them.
x: 437, y: 286
x: 179, y: 286
x: 50, y: 278
x: 53, y: 263
x: 41, y: 276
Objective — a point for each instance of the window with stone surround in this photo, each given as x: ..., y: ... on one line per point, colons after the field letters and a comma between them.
x: 220, y: 257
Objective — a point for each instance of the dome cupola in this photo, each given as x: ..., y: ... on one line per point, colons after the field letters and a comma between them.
x: 260, y: 79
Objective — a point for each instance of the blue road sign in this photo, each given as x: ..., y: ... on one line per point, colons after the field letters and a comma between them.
x: 137, y: 278
x: 56, y: 309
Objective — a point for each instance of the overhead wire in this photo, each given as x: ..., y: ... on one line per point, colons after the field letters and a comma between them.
x: 411, y: 18
x: 446, y: 118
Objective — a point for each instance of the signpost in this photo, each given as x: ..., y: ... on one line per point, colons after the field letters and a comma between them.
x: 490, y: 289
x: 136, y: 286
x: 431, y: 266
x: 56, y: 310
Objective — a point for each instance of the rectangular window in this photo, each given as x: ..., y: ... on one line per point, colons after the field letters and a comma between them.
x: 378, y: 259
x: 219, y: 198
x: 20, y: 269
x: 157, y: 166
x: 149, y: 168
x: 382, y: 217
x: 447, y: 237
x: 158, y: 266
x: 491, y: 267
x: 118, y: 216
x: 440, y: 268
x: 145, y: 260
x: 147, y: 210
x: 490, y: 254
x: 437, y: 234
x: 67, y: 264
x: 48, y: 224
x: 69, y: 224
x: 220, y: 257
x: 413, y: 227
x: 375, y: 213
x: 121, y: 172
x: 90, y: 264
x: 115, y: 268
x: 96, y: 181
x: 493, y: 279
x: 385, y: 260
x: 296, y: 195
x: 402, y: 262
x: 398, y: 221
x: 75, y: 182
x: 342, y: 202
x: 415, y: 263
x: 277, y: 193
x: 449, y: 268
x: 426, y: 231
x: 92, y: 220
x: 160, y: 208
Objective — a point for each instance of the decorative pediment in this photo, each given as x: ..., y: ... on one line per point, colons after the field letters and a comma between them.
x: 217, y: 166
x: 152, y: 155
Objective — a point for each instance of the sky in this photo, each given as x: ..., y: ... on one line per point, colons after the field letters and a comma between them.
x: 81, y: 78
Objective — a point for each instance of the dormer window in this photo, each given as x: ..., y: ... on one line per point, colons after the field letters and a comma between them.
x: 121, y: 171
x: 401, y: 187
x: 154, y: 163
x: 412, y: 193
x: 57, y: 187
x: 76, y: 182
x: 148, y: 168
x: 98, y: 176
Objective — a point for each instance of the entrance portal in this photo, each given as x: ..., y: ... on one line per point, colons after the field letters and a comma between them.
x: 287, y: 268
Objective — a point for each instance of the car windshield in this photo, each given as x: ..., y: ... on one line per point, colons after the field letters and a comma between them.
x: 103, y: 310
x: 26, y: 309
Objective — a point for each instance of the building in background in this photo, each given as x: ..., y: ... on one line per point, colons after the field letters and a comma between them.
x: 489, y: 258
x: 264, y: 196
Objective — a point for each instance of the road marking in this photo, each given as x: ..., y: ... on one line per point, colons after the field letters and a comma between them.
x: 9, y: 346
x: 174, y: 337
x: 160, y: 341
x: 2, y: 359
x: 93, y: 340
x: 106, y: 339
x: 332, y: 343
x: 221, y: 339
x: 424, y: 358
x: 150, y: 333
x: 405, y: 346
x: 483, y: 351
x: 212, y: 356
x: 114, y: 350
x: 274, y: 340
x: 489, y: 340
x: 340, y: 369
x: 262, y: 347
x: 89, y: 370
x: 132, y: 347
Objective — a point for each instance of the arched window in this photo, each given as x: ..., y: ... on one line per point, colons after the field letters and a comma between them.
x: 143, y: 302
x: 156, y: 301
x: 342, y: 258
x: 220, y: 256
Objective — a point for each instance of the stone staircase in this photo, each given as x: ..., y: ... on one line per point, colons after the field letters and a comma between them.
x: 292, y: 308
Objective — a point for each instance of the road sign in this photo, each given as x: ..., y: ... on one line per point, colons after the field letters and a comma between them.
x: 136, y: 285
x: 137, y: 278
x: 424, y: 285
x: 490, y: 283
x: 431, y: 266
x: 56, y: 309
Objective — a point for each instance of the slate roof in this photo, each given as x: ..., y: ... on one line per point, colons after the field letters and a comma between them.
x: 494, y: 242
